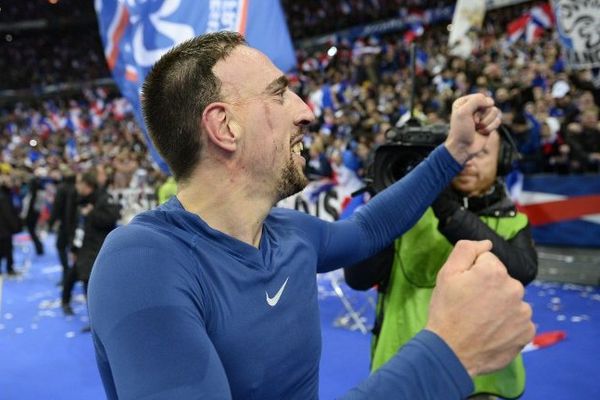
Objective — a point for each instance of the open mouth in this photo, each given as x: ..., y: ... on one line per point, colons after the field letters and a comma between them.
x: 297, y: 148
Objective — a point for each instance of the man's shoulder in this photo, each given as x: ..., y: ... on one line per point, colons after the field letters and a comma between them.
x: 147, y: 229
x: 290, y: 219
x: 295, y: 225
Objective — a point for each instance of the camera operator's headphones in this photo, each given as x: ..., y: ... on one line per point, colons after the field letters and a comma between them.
x: 508, y: 153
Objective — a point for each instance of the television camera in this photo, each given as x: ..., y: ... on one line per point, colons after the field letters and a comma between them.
x: 404, y: 149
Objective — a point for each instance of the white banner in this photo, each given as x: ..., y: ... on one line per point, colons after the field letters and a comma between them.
x: 327, y: 199
x: 578, y: 25
x: 322, y: 199
x: 134, y: 201
x: 466, y: 23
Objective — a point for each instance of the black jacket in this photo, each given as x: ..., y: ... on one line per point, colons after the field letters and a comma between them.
x: 64, y: 209
x: 10, y: 223
x: 458, y: 222
x: 97, y: 225
x: 34, y: 188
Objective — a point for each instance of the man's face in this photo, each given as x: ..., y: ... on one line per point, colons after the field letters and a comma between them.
x: 270, y: 119
x: 83, y: 189
x: 479, y: 173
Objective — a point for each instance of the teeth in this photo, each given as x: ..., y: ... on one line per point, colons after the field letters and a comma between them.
x: 297, y: 148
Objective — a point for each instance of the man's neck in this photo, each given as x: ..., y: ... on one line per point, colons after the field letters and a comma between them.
x: 227, y: 205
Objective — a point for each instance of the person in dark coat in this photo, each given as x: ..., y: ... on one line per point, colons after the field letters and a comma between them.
x: 64, y: 211
x: 35, y: 194
x: 9, y: 224
x: 99, y: 215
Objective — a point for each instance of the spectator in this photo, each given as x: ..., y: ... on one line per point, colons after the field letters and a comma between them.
x: 10, y: 224
x: 99, y: 216
x: 33, y: 207
x: 64, y: 211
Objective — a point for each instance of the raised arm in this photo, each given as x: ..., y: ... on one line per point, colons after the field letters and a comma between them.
x: 396, y: 209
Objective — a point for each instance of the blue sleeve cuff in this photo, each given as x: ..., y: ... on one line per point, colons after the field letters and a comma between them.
x: 425, y: 368
x: 447, y: 159
x: 397, y: 208
x: 446, y: 357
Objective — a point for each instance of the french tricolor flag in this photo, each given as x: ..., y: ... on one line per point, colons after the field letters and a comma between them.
x: 414, y: 31
x: 531, y: 24
x: 562, y: 210
x: 541, y: 18
x: 542, y: 15
x: 516, y: 28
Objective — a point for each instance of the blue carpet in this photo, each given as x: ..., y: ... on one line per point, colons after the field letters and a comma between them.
x: 43, y: 355
x: 564, y: 371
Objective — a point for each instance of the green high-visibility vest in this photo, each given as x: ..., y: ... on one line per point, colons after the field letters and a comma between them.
x: 419, y: 255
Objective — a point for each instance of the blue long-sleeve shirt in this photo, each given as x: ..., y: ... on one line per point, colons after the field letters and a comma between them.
x: 181, y: 310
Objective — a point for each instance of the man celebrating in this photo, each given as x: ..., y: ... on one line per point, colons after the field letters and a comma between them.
x: 213, y: 295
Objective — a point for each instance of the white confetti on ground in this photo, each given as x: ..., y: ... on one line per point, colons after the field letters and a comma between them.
x: 79, y: 298
x: 561, y: 317
x: 47, y: 313
x: 49, y: 304
x: 579, y: 318
x: 52, y: 269
x: 41, y: 295
x: 34, y: 326
x: 8, y: 316
x: 19, y: 331
x: 70, y: 335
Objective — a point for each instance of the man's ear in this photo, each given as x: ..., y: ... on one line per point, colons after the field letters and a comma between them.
x: 218, y: 126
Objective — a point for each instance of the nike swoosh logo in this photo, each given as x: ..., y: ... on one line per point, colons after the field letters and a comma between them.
x: 272, y: 301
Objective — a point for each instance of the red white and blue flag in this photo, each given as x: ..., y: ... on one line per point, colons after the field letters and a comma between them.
x: 136, y: 33
x: 415, y: 30
x: 531, y: 24
x: 562, y: 210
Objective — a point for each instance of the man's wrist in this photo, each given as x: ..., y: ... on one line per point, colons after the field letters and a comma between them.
x: 468, y: 366
x: 458, y: 151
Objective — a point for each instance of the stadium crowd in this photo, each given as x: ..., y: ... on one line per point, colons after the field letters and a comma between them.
x: 308, y: 18
x: 40, y: 10
x: 357, y: 88
x: 57, y: 57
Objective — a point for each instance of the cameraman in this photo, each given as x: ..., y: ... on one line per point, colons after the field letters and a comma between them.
x: 474, y: 207
x: 99, y: 215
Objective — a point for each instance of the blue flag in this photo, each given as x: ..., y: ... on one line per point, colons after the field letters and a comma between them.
x: 136, y: 33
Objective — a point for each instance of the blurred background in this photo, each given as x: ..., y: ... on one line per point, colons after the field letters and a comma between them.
x: 70, y: 73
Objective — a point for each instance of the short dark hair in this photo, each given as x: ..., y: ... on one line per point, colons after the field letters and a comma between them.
x: 175, y: 93
x: 90, y: 179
